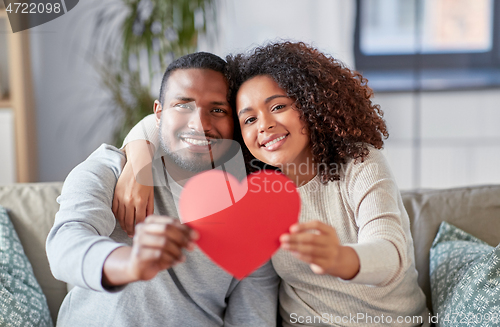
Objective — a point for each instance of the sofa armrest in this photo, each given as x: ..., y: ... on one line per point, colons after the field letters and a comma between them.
x: 474, y: 209
x: 32, y: 209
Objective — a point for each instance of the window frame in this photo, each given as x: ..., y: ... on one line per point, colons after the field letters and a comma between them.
x: 464, y: 60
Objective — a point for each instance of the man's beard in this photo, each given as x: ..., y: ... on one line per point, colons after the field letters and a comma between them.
x: 197, y: 163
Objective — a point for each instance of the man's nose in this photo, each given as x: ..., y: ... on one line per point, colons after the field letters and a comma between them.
x: 199, y: 121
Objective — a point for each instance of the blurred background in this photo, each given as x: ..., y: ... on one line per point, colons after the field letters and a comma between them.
x: 86, y: 77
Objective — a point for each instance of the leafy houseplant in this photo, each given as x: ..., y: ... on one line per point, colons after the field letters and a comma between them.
x: 149, y: 36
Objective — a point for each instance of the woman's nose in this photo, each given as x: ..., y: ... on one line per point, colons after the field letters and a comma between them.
x: 266, y: 122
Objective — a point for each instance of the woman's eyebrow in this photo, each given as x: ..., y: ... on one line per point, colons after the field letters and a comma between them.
x: 242, y: 111
x: 274, y: 97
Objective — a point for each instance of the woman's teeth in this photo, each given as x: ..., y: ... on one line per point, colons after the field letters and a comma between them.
x: 198, y: 142
x: 274, y: 141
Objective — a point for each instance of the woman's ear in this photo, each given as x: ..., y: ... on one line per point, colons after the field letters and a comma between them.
x: 157, y: 108
x: 304, y: 130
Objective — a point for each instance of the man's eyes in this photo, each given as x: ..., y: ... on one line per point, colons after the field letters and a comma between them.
x: 191, y: 107
x: 220, y: 112
x: 184, y: 106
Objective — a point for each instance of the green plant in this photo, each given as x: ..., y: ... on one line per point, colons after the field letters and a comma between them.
x: 151, y: 34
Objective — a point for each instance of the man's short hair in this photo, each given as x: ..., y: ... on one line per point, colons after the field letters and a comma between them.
x: 198, y: 60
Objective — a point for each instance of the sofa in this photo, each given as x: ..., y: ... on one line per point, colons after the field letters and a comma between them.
x: 475, y: 209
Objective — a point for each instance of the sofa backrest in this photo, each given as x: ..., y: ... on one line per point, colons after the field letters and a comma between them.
x: 32, y: 209
x: 475, y: 210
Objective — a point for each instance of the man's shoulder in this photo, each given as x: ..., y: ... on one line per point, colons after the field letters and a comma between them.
x: 101, y: 168
x: 107, y: 155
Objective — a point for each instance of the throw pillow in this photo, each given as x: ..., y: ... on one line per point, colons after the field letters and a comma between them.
x: 465, y: 279
x: 22, y: 302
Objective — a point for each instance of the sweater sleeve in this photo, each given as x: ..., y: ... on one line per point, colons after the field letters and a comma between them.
x: 382, y: 241
x: 146, y: 129
x: 79, y: 242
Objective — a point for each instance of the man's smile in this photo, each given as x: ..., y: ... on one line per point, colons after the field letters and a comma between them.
x: 201, y: 142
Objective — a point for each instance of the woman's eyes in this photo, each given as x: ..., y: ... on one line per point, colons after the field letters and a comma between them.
x: 278, y: 107
x: 249, y: 120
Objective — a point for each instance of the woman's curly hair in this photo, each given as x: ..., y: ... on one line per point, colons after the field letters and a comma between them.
x: 333, y: 101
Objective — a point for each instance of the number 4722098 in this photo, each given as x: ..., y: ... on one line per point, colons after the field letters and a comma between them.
x: 468, y: 318
x: 33, y: 8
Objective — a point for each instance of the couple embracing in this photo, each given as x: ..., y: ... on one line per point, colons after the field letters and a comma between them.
x: 348, y: 262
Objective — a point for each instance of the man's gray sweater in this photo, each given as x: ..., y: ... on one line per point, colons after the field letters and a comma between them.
x: 194, y: 293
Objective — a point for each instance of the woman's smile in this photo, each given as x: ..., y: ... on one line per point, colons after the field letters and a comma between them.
x: 274, y: 142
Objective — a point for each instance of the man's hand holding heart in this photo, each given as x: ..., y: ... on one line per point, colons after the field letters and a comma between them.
x: 157, y: 245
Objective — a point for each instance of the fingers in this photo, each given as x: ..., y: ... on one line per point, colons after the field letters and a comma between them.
x: 151, y: 203
x: 315, y: 224
x: 132, y: 201
x: 142, y: 208
x: 129, y: 220
x: 158, y: 244
x: 163, y: 258
x: 308, y: 251
x: 314, y: 248
x: 305, y: 248
x: 140, y: 212
x: 169, y: 232
x: 147, y: 262
x: 135, y: 213
x: 166, y: 261
x: 114, y: 207
x: 301, y: 239
x: 168, y: 222
x: 171, y: 229
x: 121, y: 216
x: 321, y: 250
x: 162, y: 245
x: 293, y: 241
x: 317, y: 269
x: 318, y: 258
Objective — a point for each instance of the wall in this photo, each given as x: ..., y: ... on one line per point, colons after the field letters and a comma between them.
x: 326, y: 24
x: 7, y: 148
x: 73, y: 115
x: 73, y: 112
x: 460, y: 139
x: 7, y: 141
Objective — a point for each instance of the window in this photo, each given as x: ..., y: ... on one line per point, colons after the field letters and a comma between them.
x: 445, y: 44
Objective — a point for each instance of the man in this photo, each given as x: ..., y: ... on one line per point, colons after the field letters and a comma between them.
x: 151, y: 280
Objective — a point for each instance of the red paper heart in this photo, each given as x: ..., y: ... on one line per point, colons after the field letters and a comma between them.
x: 239, y: 223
